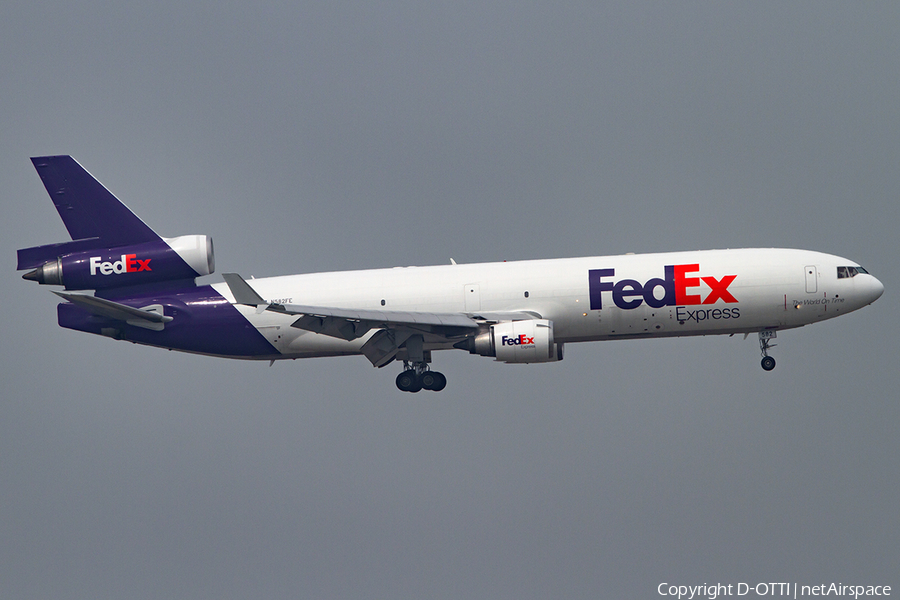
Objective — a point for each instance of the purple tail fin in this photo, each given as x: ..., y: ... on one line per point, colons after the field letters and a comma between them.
x: 111, y: 248
x: 93, y: 216
x: 87, y: 208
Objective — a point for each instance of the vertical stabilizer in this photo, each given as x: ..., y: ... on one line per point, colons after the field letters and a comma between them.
x: 88, y: 209
x: 111, y: 248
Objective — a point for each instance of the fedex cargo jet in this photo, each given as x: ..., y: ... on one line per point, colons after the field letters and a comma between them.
x: 122, y: 280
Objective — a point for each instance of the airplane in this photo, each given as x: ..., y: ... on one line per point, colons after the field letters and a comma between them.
x: 122, y: 280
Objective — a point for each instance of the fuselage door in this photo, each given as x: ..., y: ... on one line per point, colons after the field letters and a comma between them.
x: 473, y: 297
x: 811, y: 279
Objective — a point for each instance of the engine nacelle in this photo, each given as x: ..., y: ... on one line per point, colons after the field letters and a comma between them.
x: 179, y: 258
x: 529, y: 341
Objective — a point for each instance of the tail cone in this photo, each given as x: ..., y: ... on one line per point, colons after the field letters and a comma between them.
x: 48, y: 273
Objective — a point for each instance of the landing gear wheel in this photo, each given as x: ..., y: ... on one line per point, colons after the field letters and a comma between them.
x: 416, y: 375
x: 765, y: 343
x: 432, y: 380
x: 428, y: 380
x: 440, y: 383
x: 408, y: 381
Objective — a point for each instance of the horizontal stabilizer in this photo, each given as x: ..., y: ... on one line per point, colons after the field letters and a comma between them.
x: 149, y: 317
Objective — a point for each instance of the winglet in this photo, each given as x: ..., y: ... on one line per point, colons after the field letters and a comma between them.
x: 242, y: 292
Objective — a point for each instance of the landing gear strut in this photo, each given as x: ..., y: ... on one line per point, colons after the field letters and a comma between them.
x: 416, y: 374
x: 765, y: 337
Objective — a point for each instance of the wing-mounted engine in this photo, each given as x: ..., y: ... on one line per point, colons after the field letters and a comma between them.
x: 526, y: 341
x: 169, y: 259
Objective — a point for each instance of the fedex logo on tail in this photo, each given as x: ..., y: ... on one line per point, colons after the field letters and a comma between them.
x: 679, y: 288
x: 129, y: 263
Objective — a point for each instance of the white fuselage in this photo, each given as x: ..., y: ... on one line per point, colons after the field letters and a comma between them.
x: 587, y: 299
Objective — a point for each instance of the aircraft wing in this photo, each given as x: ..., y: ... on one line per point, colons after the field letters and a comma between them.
x: 349, y: 324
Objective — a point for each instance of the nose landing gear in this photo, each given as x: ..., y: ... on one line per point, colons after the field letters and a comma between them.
x: 767, y: 362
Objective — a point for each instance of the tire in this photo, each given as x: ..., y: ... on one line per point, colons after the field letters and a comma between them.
x: 432, y: 380
x: 768, y: 363
x: 440, y: 382
x: 428, y: 380
x: 407, y: 381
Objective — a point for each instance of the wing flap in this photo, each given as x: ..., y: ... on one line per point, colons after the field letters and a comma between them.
x: 335, y: 327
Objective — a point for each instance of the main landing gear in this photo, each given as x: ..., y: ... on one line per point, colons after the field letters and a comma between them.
x: 765, y: 337
x: 417, y: 377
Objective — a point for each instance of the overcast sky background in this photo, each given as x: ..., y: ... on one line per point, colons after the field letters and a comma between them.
x: 325, y: 136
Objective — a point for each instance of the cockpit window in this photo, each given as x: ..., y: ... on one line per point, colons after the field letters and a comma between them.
x: 845, y: 272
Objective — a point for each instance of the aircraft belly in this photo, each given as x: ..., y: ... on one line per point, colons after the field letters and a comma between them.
x: 307, y: 343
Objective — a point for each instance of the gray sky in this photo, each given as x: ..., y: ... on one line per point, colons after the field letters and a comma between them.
x: 325, y: 136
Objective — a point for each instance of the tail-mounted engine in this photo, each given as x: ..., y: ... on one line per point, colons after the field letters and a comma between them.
x: 171, y: 259
x: 529, y: 341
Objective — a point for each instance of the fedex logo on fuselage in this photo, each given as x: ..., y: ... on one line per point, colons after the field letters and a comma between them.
x: 519, y: 340
x: 678, y: 288
x: 129, y: 263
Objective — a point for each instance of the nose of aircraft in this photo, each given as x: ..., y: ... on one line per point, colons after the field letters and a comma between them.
x: 874, y: 291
